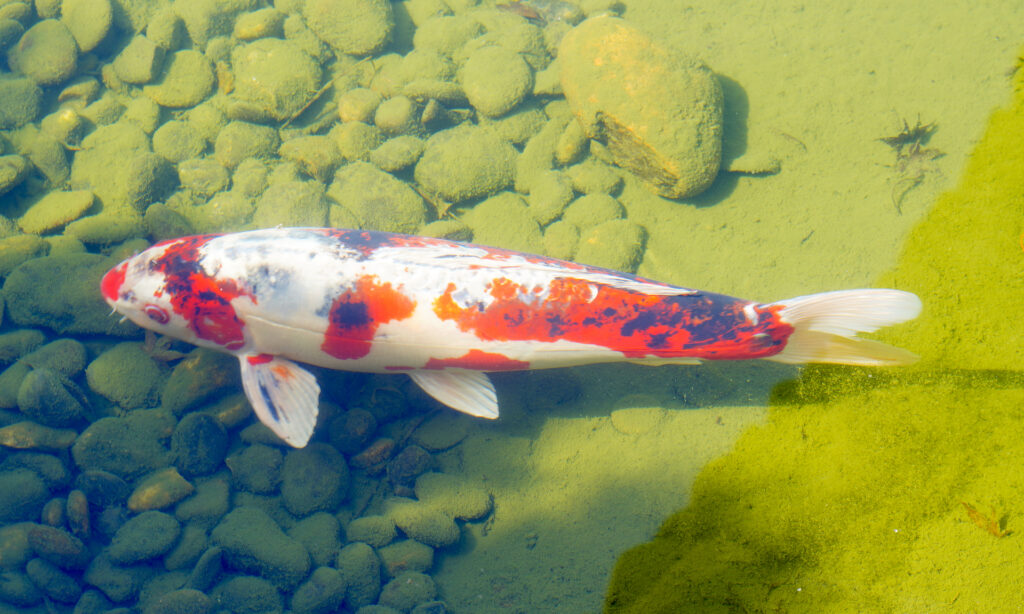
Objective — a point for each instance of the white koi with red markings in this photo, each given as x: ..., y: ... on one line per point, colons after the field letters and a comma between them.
x: 446, y: 313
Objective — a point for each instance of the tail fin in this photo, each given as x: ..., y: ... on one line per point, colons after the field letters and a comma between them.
x: 826, y: 326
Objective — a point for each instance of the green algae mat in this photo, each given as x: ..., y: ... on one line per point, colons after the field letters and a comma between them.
x: 880, y: 490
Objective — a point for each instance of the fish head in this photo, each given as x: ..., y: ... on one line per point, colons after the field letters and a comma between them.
x: 138, y: 290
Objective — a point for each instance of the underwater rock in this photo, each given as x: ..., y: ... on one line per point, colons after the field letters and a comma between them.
x: 406, y: 555
x: 350, y: 27
x: 406, y: 465
x: 20, y: 101
x: 178, y: 141
x: 88, y: 20
x: 504, y: 220
x: 378, y: 531
x: 248, y: 594
x: 453, y: 495
x: 186, y: 80
x: 254, y: 543
x: 408, y: 589
x: 77, y: 513
x: 291, y: 203
x: 350, y: 431
x: 313, y: 479
x: 397, y: 115
x: 17, y: 343
x: 422, y: 522
x: 118, y: 583
x: 355, y: 140
x: 320, y: 534
x: 550, y: 193
x: 49, y: 467
x: 256, y: 468
x: 442, y: 431
x: 128, y: 446
x: 13, y: 170
x: 358, y: 105
x: 63, y: 356
x: 617, y: 244
x: 56, y: 584
x: 207, y: 505
x: 496, y: 79
x: 29, y: 435
x: 561, y: 239
x: 373, y: 457
x: 139, y: 62
x: 180, y: 601
x: 594, y: 177
x: 276, y: 77
x: 196, y: 377
x: 316, y: 155
x: 47, y: 53
x: 204, y: 176
x: 53, y: 513
x: 59, y: 547
x: 261, y: 23
x: 43, y: 397
x: 361, y: 567
x: 592, y: 209
x: 54, y: 210
x: 126, y: 375
x: 17, y: 589
x: 102, y: 488
x: 465, y: 162
x: 206, y: 570
x: 22, y: 495
x: 397, y: 153
x: 146, y: 536
x: 199, y: 444
x: 159, y: 490
x: 659, y: 113
x: 190, y: 546
x: 322, y: 593
x: 377, y: 199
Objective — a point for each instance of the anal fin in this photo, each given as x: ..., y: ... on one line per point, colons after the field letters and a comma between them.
x: 470, y: 392
x: 284, y: 396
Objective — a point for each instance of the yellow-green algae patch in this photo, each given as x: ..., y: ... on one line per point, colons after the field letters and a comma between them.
x: 851, y: 497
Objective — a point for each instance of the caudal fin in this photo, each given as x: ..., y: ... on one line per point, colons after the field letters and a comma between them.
x: 826, y: 326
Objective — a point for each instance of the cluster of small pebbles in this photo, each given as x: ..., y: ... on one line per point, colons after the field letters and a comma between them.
x: 131, y: 472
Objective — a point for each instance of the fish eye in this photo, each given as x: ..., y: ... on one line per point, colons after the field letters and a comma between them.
x: 157, y: 314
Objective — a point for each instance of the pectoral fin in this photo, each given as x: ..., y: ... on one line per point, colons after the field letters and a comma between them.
x: 284, y: 396
x: 470, y: 392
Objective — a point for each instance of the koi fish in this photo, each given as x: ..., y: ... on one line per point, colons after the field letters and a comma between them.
x: 446, y: 313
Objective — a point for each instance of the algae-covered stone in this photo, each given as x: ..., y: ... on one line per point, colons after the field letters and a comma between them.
x: 593, y: 177
x: 13, y: 170
x: 408, y: 589
x: 50, y: 159
x: 10, y: 31
x: 313, y: 479
x: 240, y: 140
x: 69, y: 302
x: 262, y: 23
x: 316, y: 155
x: 456, y: 496
x: 177, y: 141
x: 465, y: 162
x: 276, y: 76
x: 159, y: 490
x: 199, y: 444
x: 377, y: 199
x: 292, y: 203
x: 207, y: 505
x: 496, y: 79
x: 593, y: 209
x: 105, y: 228
x: 361, y: 567
x: 117, y: 582
x: 17, y: 343
x: 29, y: 435
x: 322, y: 593
x: 18, y: 249
x: 406, y: 555
x: 397, y: 115
x: 88, y: 20
x: 127, y: 447
x: 397, y: 153
x: 320, y: 534
x: 126, y: 375
x: 43, y: 397
x: 248, y: 594
x: 358, y: 104
x: 378, y: 531
x: 22, y: 495
x: 63, y: 356
x: 54, y: 210
x: 256, y: 468
x: 46, y: 53
x: 355, y: 27
x: 180, y: 601
x: 355, y: 140
x: 422, y: 522
x: 254, y: 543
x: 196, y: 377
x: 561, y: 239
x: 659, y: 113
x: 203, y: 176
x: 139, y: 62
x: 504, y: 220
x: 617, y: 244
x: 20, y: 100
x: 186, y: 80
x: 146, y: 536
x: 446, y: 34
x: 550, y: 193
x: 57, y: 584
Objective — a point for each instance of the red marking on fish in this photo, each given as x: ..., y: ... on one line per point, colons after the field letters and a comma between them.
x: 357, y: 313
x: 111, y: 283
x: 479, y: 361
x: 260, y: 359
